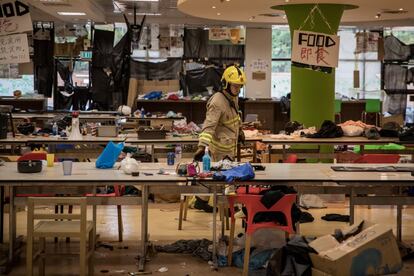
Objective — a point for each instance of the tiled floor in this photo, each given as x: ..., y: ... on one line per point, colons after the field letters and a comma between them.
x: 163, y: 229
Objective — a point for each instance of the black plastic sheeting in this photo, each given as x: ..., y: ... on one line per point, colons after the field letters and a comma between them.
x: 196, y: 45
x: 166, y: 70
x: 110, y: 70
x: 197, y: 81
x: 43, y: 63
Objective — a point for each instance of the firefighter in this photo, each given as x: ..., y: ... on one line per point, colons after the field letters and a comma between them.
x: 222, y: 127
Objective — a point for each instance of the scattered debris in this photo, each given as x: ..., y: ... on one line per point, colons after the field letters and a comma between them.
x: 163, y: 269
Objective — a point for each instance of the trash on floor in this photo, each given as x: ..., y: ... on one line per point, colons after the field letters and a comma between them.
x: 163, y: 269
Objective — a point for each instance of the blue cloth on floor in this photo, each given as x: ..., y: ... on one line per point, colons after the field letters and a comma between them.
x: 257, y: 261
x: 241, y: 173
x: 109, y: 155
x: 153, y: 95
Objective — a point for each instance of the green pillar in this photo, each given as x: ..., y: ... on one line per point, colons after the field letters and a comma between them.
x: 313, y: 92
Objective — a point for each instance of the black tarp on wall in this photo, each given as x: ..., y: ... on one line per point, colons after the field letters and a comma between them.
x: 43, y: 62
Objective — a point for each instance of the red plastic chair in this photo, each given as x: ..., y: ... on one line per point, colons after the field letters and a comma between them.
x: 254, y: 206
x: 378, y: 159
x: 292, y: 158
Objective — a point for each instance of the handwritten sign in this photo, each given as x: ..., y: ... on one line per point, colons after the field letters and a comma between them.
x: 315, y: 48
x: 14, y: 17
x: 14, y: 49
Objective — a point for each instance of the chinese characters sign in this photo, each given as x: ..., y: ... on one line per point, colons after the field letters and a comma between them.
x: 315, y: 48
x: 14, y: 17
x: 14, y: 49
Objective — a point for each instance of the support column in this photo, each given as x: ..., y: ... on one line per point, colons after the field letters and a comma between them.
x: 313, y: 92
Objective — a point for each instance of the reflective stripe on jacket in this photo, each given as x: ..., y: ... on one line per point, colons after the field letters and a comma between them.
x: 221, y: 126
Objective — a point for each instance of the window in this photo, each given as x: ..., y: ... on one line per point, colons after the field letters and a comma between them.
x: 10, y: 80
x: 367, y: 64
x: 281, y: 51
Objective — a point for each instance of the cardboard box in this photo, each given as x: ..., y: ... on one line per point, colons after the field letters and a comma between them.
x: 317, y: 272
x: 374, y: 251
x: 145, y: 86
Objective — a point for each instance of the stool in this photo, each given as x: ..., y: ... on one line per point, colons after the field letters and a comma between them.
x: 372, y: 106
x: 52, y: 225
x: 337, y: 109
x: 254, y: 206
x: 184, y: 208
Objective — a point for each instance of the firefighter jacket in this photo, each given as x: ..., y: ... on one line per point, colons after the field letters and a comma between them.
x: 221, y: 127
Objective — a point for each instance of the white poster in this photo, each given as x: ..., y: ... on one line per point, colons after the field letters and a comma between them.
x: 315, y: 48
x: 218, y: 34
x: 14, y: 17
x: 14, y: 49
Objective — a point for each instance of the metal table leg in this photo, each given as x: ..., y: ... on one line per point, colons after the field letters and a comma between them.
x: 351, y: 206
x: 12, y: 224
x: 215, y: 262
x: 1, y: 214
x: 144, y: 227
x: 399, y: 222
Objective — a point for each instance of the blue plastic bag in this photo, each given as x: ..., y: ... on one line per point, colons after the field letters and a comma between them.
x: 240, y: 173
x: 154, y: 95
x: 109, y: 155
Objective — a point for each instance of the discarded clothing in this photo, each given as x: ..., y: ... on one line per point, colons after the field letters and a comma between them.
x: 328, y: 130
x: 291, y: 260
x: 336, y: 217
x: 256, y: 261
x: 394, y: 49
x: 224, y: 165
x: 306, y: 217
x: 390, y: 129
x: 293, y: 126
x: 407, y: 134
x: 197, y: 248
x: 241, y: 173
x: 372, y: 133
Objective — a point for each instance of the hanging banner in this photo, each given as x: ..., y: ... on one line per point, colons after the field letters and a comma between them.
x: 14, y: 17
x: 366, y: 42
x: 315, y: 48
x: 14, y: 49
x: 227, y: 36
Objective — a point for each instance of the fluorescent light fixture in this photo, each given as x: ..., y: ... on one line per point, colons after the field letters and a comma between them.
x: 71, y: 13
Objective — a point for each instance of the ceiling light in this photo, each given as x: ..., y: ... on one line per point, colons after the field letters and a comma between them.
x: 227, y: 0
x: 378, y: 15
x: 251, y: 18
x: 218, y: 14
x: 213, y: 7
x: 287, y: 1
x: 71, y: 13
x: 401, y: 9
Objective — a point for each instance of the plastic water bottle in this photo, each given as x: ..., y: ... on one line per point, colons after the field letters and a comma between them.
x: 142, y: 112
x: 178, y: 153
x: 55, y: 129
x: 206, y: 161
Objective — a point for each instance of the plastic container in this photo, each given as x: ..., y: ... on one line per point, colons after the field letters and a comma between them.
x: 178, y: 153
x: 55, y: 129
x: 206, y: 161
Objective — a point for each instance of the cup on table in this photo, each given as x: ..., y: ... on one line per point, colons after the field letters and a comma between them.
x: 67, y: 167
x: 50, y: 157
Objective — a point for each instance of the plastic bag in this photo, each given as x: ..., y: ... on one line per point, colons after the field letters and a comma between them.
x: 109, y: 155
